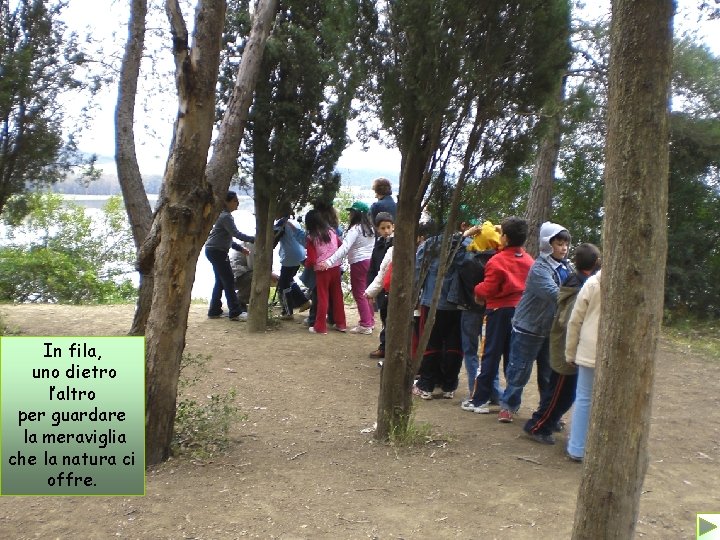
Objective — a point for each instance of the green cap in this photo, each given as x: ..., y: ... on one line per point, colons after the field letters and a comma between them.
x: 359, y: 206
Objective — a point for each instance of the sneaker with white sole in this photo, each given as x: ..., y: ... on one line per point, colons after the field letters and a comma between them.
x: 469, y: 406
x: 422, y: 394
x: 359, y: 329
x: 505, y: 416
x: 448, y: 395
x: 313, y: 331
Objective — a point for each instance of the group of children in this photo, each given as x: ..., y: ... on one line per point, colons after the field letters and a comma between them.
x: 527, y: 307
x: 541, y: 312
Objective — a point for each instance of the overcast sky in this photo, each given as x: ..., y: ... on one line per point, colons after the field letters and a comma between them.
x: 108, y: 18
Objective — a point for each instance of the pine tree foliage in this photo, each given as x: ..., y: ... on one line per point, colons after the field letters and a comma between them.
x: 465, y: 63
x: 38, y: 62
x: 310, y: 73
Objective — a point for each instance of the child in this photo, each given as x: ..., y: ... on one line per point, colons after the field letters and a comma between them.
x: 384, y: 228
x: 322, y: 242
x: 500, y: 291
x: 580, y: 350
x: 329, y: 214
x: 291, y: 238
x: 217, y: 248
x: 358, y: 246
x: 530, y: 336
x: 442, y: 359
x: 380, y: 285
x: 563, y: 379
x: 484, y: 244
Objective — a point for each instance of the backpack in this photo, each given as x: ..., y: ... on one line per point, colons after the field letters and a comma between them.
x: 558, y: 331
x: 470, y: 272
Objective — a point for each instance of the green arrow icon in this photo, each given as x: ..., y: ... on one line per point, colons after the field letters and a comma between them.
x: 704, y: 527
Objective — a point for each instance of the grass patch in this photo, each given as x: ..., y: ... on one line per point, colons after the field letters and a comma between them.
x: 202, y: 428
x: 697, y: 336
x: 407, y: 432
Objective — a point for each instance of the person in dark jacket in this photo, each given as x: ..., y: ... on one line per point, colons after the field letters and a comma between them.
x: 217, y: 248
x: 385, y: 203
x: 384, y: 227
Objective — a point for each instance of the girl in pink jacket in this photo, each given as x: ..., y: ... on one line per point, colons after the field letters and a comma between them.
x: 322, y: 243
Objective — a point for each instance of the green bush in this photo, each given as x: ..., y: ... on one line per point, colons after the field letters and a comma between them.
x: 58, y: 253
x: 202, y: 427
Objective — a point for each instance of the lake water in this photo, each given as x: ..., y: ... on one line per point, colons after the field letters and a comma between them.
x: 204, y: 278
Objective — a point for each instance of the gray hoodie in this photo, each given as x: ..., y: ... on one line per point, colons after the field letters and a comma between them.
x: 536, y: 310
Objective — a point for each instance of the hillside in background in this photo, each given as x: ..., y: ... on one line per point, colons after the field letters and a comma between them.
x: 107, y: 183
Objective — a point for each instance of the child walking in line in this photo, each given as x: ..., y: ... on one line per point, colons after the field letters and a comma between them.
x: 563, y: 379
x: 500, y: 291
x: 358, y: 247
x: 580, y: 350
x: 384, y: 227
x: 322, y: 243
x: 530, y: 335
x: 442, y: 359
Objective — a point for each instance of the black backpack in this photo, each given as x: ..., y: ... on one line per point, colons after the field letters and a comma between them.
x: 470, y: 273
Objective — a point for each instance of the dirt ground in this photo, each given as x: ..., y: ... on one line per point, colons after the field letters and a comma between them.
x: 302, y: 467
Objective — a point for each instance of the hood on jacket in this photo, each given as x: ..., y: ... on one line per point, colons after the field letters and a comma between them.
x: 547, y: 231
x: 487, y: 238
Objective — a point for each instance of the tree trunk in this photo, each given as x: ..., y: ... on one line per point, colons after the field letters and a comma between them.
x: 541, y: 190
x: 262, y: 266
x: 184, y: 218
x: 395, y: 401
x: 136, y: 202
x: 635, y: 245
x: 191, y: 197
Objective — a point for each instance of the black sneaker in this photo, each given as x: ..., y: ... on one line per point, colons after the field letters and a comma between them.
x: 574, y: 458
x: 540, y: 437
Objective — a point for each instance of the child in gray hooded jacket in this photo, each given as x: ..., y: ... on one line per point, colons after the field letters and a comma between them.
x: 530, y: 337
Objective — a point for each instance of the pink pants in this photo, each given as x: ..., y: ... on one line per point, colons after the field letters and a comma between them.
x: 358, y: 284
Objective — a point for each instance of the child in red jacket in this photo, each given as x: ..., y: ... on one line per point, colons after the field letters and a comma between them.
x: 500, y: 291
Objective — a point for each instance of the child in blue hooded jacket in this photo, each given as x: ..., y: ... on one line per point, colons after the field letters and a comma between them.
x: 530, y: 336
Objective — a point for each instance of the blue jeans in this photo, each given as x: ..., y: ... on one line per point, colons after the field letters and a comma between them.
x: 224, y: 282
x: 581, y: 412
x: 524, y: 350
x: 471, y: 328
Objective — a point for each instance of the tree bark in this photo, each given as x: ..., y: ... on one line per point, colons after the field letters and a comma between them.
x: 635, y: 246
x: 191, y: 197
x: 184, y: 217
x: 541, y: 190
x: 396, y: 378
x: 136, y: 202
x: 262, y: 264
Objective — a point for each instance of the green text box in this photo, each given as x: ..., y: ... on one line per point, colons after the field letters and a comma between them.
x: 81, y: 400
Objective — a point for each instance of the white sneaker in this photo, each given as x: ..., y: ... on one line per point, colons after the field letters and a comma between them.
x: 422, y: 394
x: 313, y: 331
x: 243, y: 316
x: 448, y: 395
x: 359, y: 329
x: 468, y: 405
